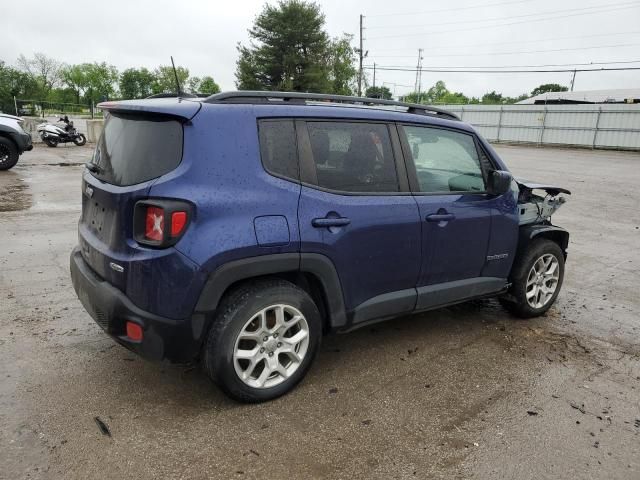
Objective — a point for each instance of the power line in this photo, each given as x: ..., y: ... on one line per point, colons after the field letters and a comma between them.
x: 458, y: 9
x: 502, y: 43
x: 548, y: 12
x: 439, y: 70
x: 521, y: 66
x: 556, y: 17
x: 524, y: 52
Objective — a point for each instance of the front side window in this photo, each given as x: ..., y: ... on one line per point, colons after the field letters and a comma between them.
x: 445, y: 161
x: 353, y: 157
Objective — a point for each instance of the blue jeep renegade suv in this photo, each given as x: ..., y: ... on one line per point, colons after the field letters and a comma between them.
x: 239, y: 228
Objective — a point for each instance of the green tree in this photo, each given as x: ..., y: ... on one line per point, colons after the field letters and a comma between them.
x: 46, y: 70
x: 14, y: 83
x: 435, y: 93
x: 165, y: 80
x: 77, y: 79
x: 379, y: 92
x: 438, y: 93
x: 493, y: 98
x: 548, y: 87
x: 454, y: 98
x: 101, y: 81
x: 194, y: 84
x: 342, y: 70
x: 208, y: 86
x: 511, y: 100
x: 412, y: 97
x: 289, y: 50
x: 136, y: 83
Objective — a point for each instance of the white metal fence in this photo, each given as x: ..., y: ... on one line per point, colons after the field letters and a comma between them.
x: 615, y: 126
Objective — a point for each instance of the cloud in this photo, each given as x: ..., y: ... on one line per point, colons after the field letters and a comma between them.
x: 202, y: 36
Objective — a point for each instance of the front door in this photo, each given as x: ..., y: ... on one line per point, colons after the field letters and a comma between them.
x: 455, y: 211
x: 355, y: 208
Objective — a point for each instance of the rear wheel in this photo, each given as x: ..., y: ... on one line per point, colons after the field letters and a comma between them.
x: 8, y: 154
x: 51, y: 142
x: 263, y: 340
x: 80, y: 140
x: 536, y: 279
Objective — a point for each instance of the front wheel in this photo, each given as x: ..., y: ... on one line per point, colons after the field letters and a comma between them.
x: 536, y: 279
x: 8, y: 154
x: 80, y: 140
x: 50, y: 141
x: 263, y: 340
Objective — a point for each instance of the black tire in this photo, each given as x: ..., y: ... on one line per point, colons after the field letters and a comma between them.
x: 50, y: 142
x: 8, y: 154
x: 80, y: 140
x: 516, y: 299
x: 236, y: 309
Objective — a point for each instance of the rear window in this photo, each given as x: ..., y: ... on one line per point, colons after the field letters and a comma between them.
x: 133, y: 149
x: 278, y: 148
x: 353, y: 157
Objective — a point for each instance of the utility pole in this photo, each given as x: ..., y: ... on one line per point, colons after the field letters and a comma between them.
x: 361, y: 55
x: 573, y: 80
x: 418, y: 85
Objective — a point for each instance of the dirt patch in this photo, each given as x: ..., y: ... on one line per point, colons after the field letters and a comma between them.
x: 15, y: 197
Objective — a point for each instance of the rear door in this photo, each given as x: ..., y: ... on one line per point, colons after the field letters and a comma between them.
x: 356, y: 209
x: 448, y: 179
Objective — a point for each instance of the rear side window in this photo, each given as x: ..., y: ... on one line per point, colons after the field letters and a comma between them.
x: 133, y: 149
x: 353, y: 157
x: 445, y: 161
x: 278, y: 148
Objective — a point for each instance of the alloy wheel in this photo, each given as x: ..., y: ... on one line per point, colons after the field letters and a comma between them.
x: 542, y: 280
x: 4, y: 154
x: 271, y: 346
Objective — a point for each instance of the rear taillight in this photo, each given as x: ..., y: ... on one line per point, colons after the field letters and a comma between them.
x: 178, y: 222
x: 159, y: 222
x: 154, y: 224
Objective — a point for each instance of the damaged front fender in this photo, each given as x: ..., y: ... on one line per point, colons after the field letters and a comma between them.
x: 538, y: 201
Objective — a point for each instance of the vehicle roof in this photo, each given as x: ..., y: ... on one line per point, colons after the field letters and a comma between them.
x: 187, y: 108
x: 338, y: 111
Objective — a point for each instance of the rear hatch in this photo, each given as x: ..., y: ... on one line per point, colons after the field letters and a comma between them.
x: 140, y: 142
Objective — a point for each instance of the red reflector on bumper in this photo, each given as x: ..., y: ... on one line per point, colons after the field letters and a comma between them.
x: 134, y: 331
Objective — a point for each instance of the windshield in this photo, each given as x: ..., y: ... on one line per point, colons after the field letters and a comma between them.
x: 133, y: 149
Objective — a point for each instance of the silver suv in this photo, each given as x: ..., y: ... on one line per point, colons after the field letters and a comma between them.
x: 13, y: 140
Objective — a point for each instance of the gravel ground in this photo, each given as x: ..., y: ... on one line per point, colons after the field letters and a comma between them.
x: 462, y: 392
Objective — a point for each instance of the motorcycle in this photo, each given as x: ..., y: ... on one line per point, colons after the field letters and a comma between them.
x: 52, y: 134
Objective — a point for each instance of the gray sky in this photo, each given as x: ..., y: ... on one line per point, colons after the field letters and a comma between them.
x: 202, y: 36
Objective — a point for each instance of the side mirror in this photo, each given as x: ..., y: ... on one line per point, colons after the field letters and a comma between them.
x: 499, y: 182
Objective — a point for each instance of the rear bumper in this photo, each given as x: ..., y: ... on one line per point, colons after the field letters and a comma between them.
x: 163, y: 339
x: 23, y: 141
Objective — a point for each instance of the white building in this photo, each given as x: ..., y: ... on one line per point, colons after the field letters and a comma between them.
x: 622, y: 95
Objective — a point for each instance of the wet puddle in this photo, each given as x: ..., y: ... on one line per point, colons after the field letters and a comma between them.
x: 14, y: 195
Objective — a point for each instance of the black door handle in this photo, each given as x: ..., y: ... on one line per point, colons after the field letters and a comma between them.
x: 440, y: 217
x: 330, y: 222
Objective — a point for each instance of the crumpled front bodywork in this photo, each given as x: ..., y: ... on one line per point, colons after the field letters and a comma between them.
x: 538, y: 201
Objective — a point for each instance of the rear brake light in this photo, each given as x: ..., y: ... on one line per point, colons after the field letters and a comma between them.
x: 160, y: 222
x: 154, y: 224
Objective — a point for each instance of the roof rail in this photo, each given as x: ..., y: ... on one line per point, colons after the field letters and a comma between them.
x: 249, y: 96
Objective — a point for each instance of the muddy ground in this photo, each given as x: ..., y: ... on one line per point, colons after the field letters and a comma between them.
x: 463, y: 392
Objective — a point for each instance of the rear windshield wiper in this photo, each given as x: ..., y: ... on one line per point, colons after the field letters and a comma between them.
x: 93, y: 167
